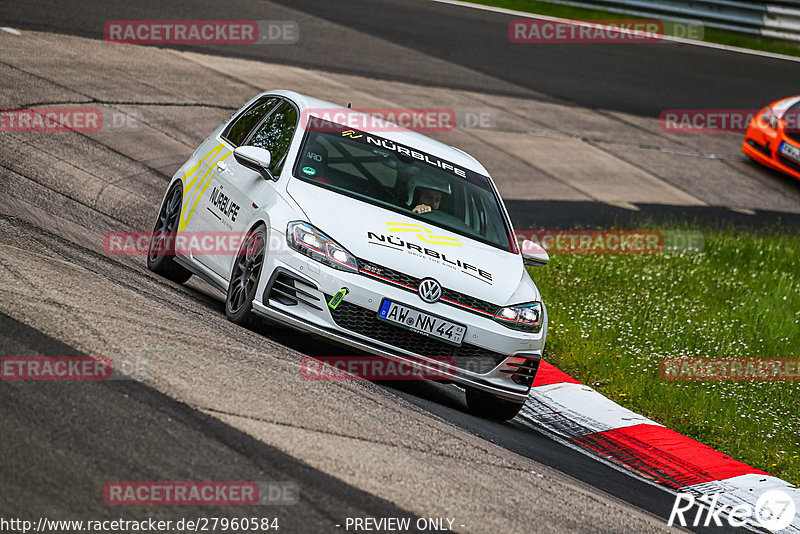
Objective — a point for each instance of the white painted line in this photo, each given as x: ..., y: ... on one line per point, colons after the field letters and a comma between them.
x: 744, y: 211
x: 681, y: 40
x: 12, y: 31
x: 623, y: 205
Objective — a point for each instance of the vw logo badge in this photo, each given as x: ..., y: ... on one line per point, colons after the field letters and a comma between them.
x: 430, y: 290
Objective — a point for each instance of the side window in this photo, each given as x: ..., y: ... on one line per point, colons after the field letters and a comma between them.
x: 275, y: 134
x: 239, y: 129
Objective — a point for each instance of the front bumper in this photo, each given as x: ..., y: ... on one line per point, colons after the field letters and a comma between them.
x: 294, y: 290
x: 762, y: 145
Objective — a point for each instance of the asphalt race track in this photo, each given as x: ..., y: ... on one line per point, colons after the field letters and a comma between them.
x: 596, y: 76
x: 207, y: 400
x: 83, y: 437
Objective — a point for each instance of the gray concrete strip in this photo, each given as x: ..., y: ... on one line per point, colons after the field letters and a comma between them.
x: 589, y: 170
x: 725, y: 144
x: 184, y: 125
x: 515, y: 175
x: 15, y: 91
x: 732, y: 183
x: 117, y: 73
x: 265, y: 76
x: 65, y: 164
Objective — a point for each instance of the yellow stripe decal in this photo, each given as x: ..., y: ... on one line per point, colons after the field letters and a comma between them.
x: 421, y: 230
x: 196, y: 181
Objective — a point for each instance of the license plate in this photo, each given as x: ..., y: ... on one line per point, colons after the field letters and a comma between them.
x: 790, y: 151
x: 421, y: 322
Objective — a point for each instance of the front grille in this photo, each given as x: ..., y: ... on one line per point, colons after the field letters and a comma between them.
x: 410, y: 283
x: 789, y: 162
x: 365, y: 322
x: 793, y: 134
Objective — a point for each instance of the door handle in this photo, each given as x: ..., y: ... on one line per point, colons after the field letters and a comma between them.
x: 221, y: 165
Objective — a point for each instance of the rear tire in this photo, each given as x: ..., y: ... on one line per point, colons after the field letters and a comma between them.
x: 245, y: 276
x: 487, y: 405
x: 161, y: 254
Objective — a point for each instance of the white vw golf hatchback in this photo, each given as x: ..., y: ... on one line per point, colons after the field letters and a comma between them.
x: 378, y: 238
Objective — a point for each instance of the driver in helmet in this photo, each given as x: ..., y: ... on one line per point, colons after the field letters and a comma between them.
x: 425, y: 194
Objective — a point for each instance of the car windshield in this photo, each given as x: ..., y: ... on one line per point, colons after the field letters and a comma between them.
x: 402, y: 179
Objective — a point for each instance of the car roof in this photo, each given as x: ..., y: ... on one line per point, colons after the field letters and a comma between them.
x: 405, y: 137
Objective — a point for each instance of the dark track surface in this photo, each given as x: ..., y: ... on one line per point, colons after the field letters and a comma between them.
x: 636, y: 78
x: 68, y: 440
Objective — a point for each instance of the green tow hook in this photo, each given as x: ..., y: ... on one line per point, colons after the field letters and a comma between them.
x: 337, y: 298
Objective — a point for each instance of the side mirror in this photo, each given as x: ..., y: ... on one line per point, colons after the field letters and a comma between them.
x: 534, y: 255
x: 256, y: 159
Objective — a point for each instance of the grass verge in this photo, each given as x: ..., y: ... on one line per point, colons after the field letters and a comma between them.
x: 614, y: 317
x: 711, y: 35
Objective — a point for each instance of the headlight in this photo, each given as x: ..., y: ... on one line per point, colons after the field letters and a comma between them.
x: 768, y: 118
x: 525, y: 317
x: 308, y: 240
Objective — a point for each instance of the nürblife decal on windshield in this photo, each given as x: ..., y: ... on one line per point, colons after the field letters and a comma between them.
x: 433, y: 161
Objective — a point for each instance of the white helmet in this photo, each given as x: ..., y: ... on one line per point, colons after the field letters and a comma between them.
x: 427, y: 182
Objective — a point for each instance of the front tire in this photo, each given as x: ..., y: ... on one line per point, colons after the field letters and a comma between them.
x: 245, y: 276
x: 161, y: 254
x: 487, y: 405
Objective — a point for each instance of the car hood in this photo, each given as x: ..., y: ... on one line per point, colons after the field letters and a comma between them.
x: 411, y: 246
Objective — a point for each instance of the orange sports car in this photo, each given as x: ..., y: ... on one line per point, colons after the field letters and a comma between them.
x: 773, y: 136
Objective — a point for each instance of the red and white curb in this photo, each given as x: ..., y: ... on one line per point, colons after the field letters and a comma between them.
x: 578, y: 414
